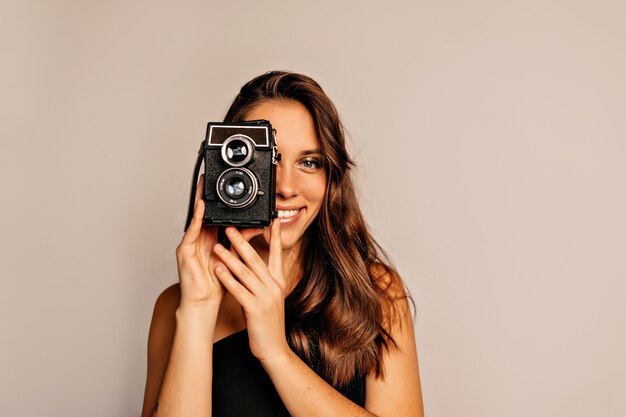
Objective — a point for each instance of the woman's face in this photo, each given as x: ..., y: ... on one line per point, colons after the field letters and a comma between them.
x: 300, y: 176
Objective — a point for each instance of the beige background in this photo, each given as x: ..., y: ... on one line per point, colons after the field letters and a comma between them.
x: 491, y: 139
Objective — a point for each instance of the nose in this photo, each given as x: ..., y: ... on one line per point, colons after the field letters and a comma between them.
x: 286, y: 186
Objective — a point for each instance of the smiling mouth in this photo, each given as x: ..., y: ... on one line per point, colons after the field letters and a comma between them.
x: 285, y: 214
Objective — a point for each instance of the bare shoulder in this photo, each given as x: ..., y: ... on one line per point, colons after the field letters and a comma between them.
x: 168, y: 301
x: 164, y: 316
x: 163, y: 322
x: 398, y: 393
x: 160, y: 340
x: 395, y: 299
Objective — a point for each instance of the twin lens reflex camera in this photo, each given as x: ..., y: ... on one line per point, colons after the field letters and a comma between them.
x: 240, y: 174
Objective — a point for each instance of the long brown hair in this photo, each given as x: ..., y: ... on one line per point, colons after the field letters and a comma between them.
x: 338, y: 314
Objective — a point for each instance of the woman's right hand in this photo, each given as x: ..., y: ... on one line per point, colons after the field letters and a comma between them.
x: 199, y: 288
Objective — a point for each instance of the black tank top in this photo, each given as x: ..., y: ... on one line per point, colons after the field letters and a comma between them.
x: 242, y: 388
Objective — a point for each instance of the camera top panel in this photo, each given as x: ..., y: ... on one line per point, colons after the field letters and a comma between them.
x: 259, y: 132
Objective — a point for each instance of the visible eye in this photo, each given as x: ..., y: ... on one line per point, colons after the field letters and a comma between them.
x: 311, y: 164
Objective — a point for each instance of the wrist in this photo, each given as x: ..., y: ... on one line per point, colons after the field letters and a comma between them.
x: 279, y: 359
x: 197, y: 313
x: 199, y: 306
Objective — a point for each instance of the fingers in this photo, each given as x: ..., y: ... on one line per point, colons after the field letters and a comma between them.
x: 275, y: 260
x: 249, y: 233
x: 241, y: 294
x: 244, y: 250
x: 207, y: 238
x: 245, y: 275
x: 195, y: 227
x: 200, y: 188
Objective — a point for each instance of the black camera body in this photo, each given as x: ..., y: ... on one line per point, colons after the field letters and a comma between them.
x: 240, y: 173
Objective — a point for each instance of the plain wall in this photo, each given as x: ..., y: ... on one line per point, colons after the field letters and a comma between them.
x: 491, y: 143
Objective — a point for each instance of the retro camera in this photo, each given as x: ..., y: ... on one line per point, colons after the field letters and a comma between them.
x: 240, y: 174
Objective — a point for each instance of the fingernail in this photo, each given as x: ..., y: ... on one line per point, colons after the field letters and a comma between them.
x: 219, y: 269
x: 231, y: 231
x: 218, y: 248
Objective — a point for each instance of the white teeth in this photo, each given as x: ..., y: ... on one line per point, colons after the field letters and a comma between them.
x: 287, y: 213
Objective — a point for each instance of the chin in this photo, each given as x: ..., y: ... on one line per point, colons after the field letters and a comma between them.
x: 288, y: 242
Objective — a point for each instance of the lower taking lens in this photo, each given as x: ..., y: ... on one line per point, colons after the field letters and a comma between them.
x: 235, y: 188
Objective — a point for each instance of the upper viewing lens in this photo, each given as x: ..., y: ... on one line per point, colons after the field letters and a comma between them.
x: 237, y: 150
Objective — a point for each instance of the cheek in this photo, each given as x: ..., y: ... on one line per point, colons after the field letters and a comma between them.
x: 316, y: 190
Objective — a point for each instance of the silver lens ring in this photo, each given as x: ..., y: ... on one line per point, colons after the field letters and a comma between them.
x: 237, y: 150
x: 246, y: 182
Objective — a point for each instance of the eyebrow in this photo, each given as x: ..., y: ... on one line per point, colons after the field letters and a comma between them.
x: 311, y: 152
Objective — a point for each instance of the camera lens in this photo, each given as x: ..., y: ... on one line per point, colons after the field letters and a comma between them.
x: 237, y: 187
x: 237, y: 150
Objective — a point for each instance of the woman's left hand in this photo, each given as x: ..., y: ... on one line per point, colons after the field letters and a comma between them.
x: 259, y: 289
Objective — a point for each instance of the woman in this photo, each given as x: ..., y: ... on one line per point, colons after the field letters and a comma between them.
x: 302, y: 318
